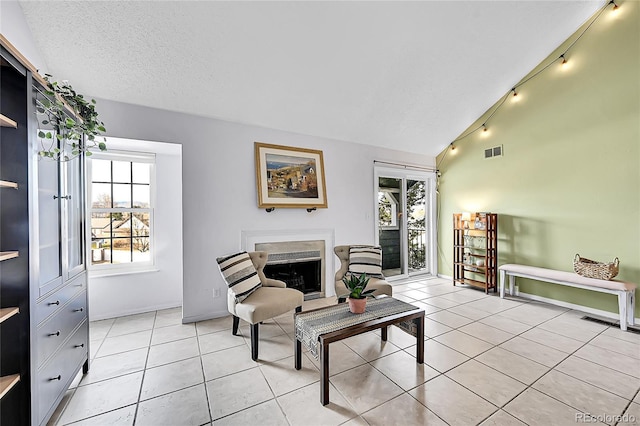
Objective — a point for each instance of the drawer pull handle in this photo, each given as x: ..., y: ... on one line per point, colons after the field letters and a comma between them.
x: 79, y: 346
x: 57, y: 302
x: 66, y: 197
x: 55, y: 378
x: 78, y: 310
x: 57, y: 333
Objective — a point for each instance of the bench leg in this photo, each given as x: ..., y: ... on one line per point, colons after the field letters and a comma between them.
x: 631, y: 307
x: 622, y: 307
x: 512, y: 284
x: 503, y: 274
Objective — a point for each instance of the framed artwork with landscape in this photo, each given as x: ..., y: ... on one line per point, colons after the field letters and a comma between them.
x: 289, y: 177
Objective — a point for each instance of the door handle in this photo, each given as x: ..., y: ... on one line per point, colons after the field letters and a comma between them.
x: 66, y: 197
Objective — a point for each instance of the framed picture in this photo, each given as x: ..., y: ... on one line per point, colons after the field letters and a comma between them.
x: 289, y: 177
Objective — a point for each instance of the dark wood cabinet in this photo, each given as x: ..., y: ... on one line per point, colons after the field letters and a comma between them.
x: 43, y: 280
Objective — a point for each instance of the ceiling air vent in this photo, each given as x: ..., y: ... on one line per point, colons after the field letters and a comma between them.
x: 496, y: 151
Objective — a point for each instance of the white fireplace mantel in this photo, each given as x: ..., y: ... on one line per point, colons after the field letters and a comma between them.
x: 250, y: 238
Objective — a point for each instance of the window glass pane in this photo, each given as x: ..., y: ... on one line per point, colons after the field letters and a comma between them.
x: 141, y: 172
x: 121, y: 195
x: 100, y: 238
x: 100, y: 196
x: 140, y: 225
x: 141, y: 196
x: 141, y: 252
x: 101, y: 171
x: 122, y: 171
x: 121, y: 225
x: 121, y: 252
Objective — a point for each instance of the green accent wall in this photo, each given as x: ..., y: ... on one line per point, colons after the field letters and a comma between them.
x: 569, y: 180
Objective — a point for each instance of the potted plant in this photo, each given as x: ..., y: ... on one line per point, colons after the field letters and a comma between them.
x: 357, y: 296
x: 73, y: 120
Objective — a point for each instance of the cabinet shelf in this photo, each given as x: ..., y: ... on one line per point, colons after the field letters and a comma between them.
x: 8, y: 184
x: 7, y: 122
x: 6, y: 255
x: 7, y: 382
x: 472, y: 247
x: 6, y: 313
x: 468, y: 267
x: 473, y: 282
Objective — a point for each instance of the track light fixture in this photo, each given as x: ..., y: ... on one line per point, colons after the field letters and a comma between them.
x: 564, y: 60
x: 515, y: 97
x: 615, y: 6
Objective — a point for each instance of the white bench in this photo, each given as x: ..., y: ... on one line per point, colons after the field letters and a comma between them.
x: 624, y: 290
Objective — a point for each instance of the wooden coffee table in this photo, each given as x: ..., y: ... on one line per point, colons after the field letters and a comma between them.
x: 324, y: 340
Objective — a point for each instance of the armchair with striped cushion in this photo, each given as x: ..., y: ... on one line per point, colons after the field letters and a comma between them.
x: 252, y: 296
x: 359, y: 259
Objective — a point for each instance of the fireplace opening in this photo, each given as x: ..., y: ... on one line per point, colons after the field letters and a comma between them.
x: 300, y: 264
x: 300, y: 275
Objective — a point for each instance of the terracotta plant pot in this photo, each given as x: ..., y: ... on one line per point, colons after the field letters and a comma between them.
x: 357, y: 306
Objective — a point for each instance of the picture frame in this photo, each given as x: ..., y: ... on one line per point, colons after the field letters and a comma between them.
x: 289, y: 177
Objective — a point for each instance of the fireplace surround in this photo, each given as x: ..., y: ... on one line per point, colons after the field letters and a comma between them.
x: 301, y: 258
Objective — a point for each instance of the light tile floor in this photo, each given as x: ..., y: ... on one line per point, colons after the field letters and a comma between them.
x: 488, y: 361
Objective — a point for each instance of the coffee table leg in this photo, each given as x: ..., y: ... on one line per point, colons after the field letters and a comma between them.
x: 420, y: 337
x: 298, y: 353
x: 324, y: 373
x: 384, y: 333
x: 297, y: 350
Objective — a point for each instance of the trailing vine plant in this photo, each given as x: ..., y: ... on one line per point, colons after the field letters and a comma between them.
x: 65, y: 140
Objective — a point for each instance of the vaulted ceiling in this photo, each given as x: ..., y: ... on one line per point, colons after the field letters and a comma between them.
x: 404, y: 75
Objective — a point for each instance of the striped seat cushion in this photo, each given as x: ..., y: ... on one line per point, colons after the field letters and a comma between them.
x: 367, y: 260
x: 240, y: 274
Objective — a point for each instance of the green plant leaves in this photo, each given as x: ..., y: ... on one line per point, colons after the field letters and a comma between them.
x: 70, y: 131
x: 356, y: 285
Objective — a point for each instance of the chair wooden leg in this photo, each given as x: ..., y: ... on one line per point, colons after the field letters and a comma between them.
x: 236, y: 322
x: 254, y: 341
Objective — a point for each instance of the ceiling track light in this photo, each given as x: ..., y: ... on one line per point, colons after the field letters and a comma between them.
x: 615, y: 5
x: 564, y: 63
x: 484, y: 127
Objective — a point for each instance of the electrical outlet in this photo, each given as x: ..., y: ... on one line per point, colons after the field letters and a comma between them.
x: 216, y: 292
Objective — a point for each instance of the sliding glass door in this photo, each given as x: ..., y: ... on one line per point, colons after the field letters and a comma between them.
x: 405, y: 225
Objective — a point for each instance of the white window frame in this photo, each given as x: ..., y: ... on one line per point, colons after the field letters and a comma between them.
x: 122, y: 268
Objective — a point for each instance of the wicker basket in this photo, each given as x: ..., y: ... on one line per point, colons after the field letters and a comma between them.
x: 592, y: 269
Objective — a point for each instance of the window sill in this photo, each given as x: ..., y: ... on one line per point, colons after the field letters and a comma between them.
x: 102, y: 273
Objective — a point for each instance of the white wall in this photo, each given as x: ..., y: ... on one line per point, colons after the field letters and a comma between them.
x: 111, y: 296
x: 219, y: 189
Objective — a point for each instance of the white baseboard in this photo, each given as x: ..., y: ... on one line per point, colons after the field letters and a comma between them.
x: 204, y: 317
x: 124, y: 313
x: 446, y: 277
x: 605, y: 314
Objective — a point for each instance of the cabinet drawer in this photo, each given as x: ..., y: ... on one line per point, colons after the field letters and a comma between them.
x: 54, y: 378
x: 50, y: 304
x: 54, y: 331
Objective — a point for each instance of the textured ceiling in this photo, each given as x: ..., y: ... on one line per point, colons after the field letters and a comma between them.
x: 404, y: 75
